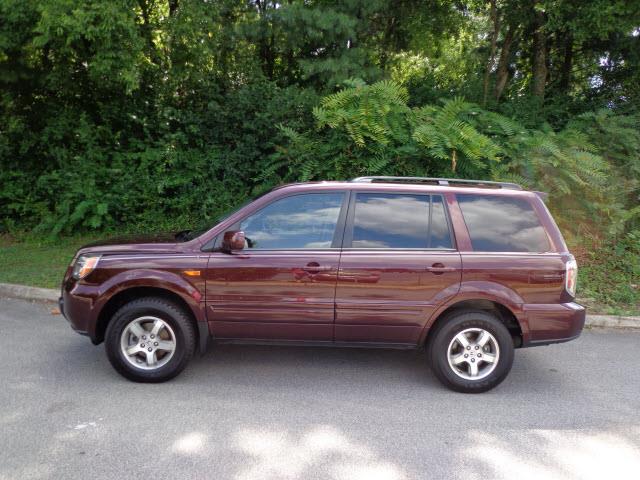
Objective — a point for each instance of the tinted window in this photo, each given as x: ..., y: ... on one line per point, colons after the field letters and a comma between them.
x: 299, y: 221
x: 439, y: 233
x: 500, y: 224
x: 390, y: 220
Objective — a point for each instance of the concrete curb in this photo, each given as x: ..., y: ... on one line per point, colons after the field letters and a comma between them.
x: 612, y: 321
x: 29, y: 293
x: 49, y: 295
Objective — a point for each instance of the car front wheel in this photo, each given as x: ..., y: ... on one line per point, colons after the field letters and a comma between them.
x: 150, y: 340
x: 471, y: 352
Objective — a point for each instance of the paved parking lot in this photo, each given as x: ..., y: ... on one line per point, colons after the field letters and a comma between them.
x: 250, y: 413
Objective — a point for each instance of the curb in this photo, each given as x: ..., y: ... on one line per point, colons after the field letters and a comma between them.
x: 29, y: 293
x: 49, y: 295
x: 611, y: 321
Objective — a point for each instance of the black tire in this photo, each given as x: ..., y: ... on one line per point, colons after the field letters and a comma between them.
x: 168, y: 312
x: 443, y: 337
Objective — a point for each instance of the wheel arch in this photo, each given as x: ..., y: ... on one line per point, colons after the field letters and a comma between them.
x: 134, y: 292
x: 501, y: 311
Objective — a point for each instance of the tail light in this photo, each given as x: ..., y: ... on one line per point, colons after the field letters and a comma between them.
x: 571, y: 277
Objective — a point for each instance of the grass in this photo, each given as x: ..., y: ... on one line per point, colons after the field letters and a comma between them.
x: 605, y: 286
x: 609, y: 275
x: 38, y: 263
x: 608, y: 291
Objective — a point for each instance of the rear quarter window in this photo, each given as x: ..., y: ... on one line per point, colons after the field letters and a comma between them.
x: 502, y: 224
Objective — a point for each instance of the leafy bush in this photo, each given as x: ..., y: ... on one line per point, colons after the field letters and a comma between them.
x: 608, y: 278
x: 370, y: 129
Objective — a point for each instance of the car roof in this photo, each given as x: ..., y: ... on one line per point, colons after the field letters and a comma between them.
x: 402, y: 187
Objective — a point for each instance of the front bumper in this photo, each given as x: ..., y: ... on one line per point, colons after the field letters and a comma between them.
x: 75, y: 312
x: 553, y: 323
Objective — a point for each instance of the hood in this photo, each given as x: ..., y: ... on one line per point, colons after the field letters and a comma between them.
x: 151, y: 243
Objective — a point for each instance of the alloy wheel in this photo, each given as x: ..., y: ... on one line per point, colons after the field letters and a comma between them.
x: 473, y: 354
x: 148, y: 343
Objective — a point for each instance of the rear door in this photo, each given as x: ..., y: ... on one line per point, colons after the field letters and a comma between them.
x: 511, y: 248
x: 398, y: 264
x: 282, y: 285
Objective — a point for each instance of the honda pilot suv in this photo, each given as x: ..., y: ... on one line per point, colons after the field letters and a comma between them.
x: 471, y: 270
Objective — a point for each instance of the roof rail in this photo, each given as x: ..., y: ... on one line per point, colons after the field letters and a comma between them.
x: 446, y: 182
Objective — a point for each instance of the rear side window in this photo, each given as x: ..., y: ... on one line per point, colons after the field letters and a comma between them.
x: 394, y: 220
x: 501, y: 224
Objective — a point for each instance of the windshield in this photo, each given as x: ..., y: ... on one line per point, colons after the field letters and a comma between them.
x: 187, y: 235
x: 233, y: 210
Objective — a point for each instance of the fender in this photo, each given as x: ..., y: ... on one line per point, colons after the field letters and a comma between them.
x: 483, y: 290
x: 151, y: 278
x: 162, y: 279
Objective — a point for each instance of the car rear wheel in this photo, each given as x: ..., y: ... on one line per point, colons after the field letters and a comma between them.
x: 471, y: 352
x: 150, y: 340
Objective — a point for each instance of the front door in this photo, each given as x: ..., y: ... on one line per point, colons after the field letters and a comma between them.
x: 282, y: 285
x: 398, y: 264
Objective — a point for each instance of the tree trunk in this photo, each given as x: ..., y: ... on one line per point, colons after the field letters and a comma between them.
x: 266, y: 42
x: 173, y: 7
x: 495, y: 21
x: 146, y: 26
x: 539, y: 63
x: 567, y: 63
x: 502, y: 72
x: 146, y: 30
x: 388, y: 41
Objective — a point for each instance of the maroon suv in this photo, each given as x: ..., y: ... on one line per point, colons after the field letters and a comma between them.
x: 469, y: 269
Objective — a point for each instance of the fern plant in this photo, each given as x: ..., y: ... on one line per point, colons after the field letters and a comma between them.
x: 360, y: 130
x: 567, y: 166
x: 368, y: 113
x: 447, y: 134
x: 369, y: 129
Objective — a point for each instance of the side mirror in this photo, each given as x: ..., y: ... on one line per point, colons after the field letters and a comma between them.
x: 233, y: 240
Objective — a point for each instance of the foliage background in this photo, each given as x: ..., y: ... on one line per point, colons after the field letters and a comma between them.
x: 148, y: 114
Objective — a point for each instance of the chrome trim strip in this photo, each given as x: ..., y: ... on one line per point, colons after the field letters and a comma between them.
x: 147, y: 256
x: 519, y: 254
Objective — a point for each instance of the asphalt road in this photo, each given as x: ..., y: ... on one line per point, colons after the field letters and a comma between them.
x: 250, y: 413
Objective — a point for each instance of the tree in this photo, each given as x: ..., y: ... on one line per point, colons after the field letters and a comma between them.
x: 185, y: 106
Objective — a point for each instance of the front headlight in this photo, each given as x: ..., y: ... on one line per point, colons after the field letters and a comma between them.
x: 85, y: 264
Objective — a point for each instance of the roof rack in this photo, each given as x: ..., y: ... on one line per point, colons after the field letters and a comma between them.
x: 446, y: 182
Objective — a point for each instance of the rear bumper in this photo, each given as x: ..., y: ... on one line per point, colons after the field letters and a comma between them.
x: 553, y: 323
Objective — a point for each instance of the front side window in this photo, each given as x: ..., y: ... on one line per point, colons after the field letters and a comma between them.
x: 394, y: 220
x: 502, y: 224
x: 295, y: 222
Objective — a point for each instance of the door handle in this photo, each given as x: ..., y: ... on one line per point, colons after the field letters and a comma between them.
x: 315, y: 267
x: 439, y: 269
